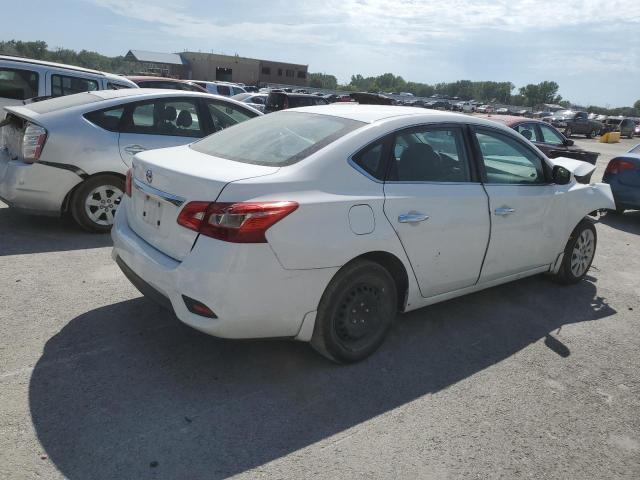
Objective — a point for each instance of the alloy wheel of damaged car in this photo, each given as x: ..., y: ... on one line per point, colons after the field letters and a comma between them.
x: 94, y: 203
x: 578, y: 253
x: 355, y: 312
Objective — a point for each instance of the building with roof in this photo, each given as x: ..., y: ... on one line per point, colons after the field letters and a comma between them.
x: 156, y: 63
x: 217, y: 67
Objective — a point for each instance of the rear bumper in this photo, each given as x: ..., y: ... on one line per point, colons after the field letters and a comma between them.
x: 244, y: 284
x: 34, y: 188
x: 625, y: 196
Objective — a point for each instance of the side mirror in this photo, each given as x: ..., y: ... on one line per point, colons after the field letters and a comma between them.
x: 568, y: 142
x: 561, y: 176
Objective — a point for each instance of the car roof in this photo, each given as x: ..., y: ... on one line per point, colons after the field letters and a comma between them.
x: 50, y: 64
x: 145, y: 92
x: 140, y: 78
x: 510, y: 120
x: 374, y: 113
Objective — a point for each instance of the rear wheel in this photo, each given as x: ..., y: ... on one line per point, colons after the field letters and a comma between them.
x: 578, y: 253
x: 94, y: 203
x: 591, y: 134
x: 355, y: 312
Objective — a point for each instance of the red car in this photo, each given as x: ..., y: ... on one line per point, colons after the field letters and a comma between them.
x: 168, y: 83
x: 546, y: 137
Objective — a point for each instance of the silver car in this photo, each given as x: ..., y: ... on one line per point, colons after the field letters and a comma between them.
x: 255, y: 100
x: 71, y: 154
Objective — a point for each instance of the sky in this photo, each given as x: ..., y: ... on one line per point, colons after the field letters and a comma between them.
x: 590, y: 48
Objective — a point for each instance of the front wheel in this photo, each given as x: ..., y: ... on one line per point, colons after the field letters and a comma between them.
x: 355, y: 312
x: 578, y: 253
x: 94, y: 203
x: 568, y: 132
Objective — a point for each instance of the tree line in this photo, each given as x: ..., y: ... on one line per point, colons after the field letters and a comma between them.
x: 532, y: 95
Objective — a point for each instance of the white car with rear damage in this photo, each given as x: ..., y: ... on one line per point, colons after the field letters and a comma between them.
x: 321, y: 223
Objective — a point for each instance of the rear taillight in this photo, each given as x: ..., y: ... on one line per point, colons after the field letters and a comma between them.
x: 234, y: 222
x: 616, y: 166
x: 127, y: 182
x: 33, y: 142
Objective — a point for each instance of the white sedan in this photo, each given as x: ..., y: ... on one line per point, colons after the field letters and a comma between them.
x: 320, y: 223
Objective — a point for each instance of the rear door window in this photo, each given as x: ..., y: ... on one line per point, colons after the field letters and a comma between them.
x: 430, y: 154
x: 175, y: 117
x: 65, y: 85
x: 108, y: 119
x: 18, y: 84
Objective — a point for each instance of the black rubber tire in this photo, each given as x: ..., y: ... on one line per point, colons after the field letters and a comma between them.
x: 631, y: 136
x: 568, y: 132
x: 565, y: 275
x: 591, y: 134
x: 81, y: 193
x: 359, y: 280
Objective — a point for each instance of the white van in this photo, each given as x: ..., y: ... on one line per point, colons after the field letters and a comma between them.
x: 24, y: 78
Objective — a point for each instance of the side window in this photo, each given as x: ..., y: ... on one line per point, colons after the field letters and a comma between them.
x: 259, y: 100
x: 18, y: 84
x: 175, y: 117
x: 108, y: 119
x: 224, y: 114
x: 224, y: 90
x: 63, y: 85
x: 370, y: 160
x: 507, y: 161
x: 429, y: 154
x: 117, y: 86
x: 549, y: 135
x: 528, y: 131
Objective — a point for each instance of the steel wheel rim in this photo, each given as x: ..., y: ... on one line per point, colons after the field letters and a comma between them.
x: 582, y: 253
x: 101, y: 203
x: 360, y: 316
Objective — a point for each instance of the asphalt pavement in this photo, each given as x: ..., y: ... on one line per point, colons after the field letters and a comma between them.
x: 526, y: 380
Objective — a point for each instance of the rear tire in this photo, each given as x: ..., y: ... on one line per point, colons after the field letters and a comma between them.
x: 578, y: 253
x: 95, y: 201
x: 591, y: 134
x: 355, y: 313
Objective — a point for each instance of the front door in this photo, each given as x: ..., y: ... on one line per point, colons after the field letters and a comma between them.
x: 521, y: 202
x: 159, y: 123
x: 437, y: 207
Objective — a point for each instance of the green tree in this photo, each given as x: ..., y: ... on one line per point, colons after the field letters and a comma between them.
x: 323, y: 80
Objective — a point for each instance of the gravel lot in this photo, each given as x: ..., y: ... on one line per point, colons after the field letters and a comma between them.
x: 526, y: 380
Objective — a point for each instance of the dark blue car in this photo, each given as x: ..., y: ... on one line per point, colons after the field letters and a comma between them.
x: 623, y: 175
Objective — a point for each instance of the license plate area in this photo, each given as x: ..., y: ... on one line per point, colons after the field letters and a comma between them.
x: 151, y: 211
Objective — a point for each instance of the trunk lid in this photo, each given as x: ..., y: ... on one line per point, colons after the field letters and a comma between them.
x: 165, y: 180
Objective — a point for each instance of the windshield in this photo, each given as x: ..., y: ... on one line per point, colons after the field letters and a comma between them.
x: 277, y: 139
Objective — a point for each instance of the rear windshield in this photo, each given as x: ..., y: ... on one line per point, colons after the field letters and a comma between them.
x: 59, y: 103
x: 277, y: 139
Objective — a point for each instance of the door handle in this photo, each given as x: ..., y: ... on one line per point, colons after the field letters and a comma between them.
x: 504, y: 211
x: 412, y: 218
x: 133, y: 149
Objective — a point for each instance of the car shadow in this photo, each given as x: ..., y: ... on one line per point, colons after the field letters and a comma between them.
x: 628, y: 221
x: 127, y: 391
x: 22, y: 234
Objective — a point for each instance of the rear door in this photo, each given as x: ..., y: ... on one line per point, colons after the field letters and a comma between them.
x: 437, y: 206
x: 70, y: 82
x: 159, y: 123
x: 521, y: 203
